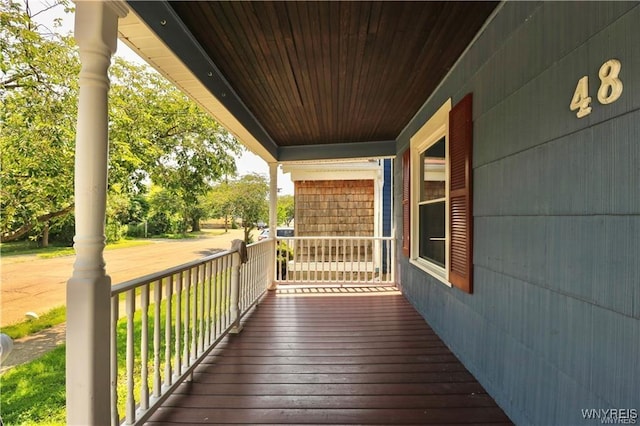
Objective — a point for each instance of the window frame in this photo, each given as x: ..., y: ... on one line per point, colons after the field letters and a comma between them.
x: 436, y: 128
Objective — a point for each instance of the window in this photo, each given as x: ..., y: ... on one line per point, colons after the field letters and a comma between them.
x: 438, y: 199
x: 432, y: 204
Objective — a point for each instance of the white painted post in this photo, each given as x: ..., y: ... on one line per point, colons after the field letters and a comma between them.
x: 378, y: 219
x: 273, y: 221
x: 235, y: 293
x: 88, y: 290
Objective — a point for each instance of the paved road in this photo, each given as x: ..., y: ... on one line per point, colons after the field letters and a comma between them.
x: 33, y: 284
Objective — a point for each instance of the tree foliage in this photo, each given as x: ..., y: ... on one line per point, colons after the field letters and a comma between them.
x: 286, y: 209
x: 38, y: 91
x: 244, y: 198
x: 171, y: 140
x: 219, y: 202
x: 164, y: 212
x: 155, y: 133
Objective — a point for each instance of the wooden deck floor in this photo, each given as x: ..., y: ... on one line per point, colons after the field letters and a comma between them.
x: 333, y: 356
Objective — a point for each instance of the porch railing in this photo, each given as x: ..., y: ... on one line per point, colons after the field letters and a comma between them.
x: 172, y: 320
x: 335, y: 260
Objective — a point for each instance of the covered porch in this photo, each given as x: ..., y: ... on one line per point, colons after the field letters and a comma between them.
x: 215, y: 344
x: 540, y: 302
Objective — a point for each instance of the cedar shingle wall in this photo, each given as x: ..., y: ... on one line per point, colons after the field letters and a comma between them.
x: 334, y: 208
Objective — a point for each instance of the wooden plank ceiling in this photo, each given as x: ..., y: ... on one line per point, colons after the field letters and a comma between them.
x: 333, y: 72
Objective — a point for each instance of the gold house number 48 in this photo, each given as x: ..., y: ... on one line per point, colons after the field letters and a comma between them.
x: 609, y: 91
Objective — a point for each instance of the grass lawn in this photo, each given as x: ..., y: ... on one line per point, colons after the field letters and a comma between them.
x: 34, y: 393
x: 190, y: 235
x: 17, y: 248
x: 47, y: 320
x: 31, y: 247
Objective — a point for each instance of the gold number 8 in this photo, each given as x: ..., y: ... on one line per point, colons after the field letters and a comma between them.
x: 610, y: 85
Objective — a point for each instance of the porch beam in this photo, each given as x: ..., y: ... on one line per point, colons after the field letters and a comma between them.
x: 372, y: 149
x: 273, y: 217
x: 88, y: 290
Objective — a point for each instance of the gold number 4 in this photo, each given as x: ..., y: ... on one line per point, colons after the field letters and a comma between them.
x: 609, y: 91
x: 581, y: 98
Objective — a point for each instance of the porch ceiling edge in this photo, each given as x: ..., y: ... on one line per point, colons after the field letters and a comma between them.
x: 373, y: 149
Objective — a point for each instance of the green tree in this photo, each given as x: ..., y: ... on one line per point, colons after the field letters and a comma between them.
x: 246, y: 199
x: 156, y: 133
x: 164, y: 212
x: 172, y: 140
x: 286, y: 209
x: 219, y: 203
x: 38, y: 92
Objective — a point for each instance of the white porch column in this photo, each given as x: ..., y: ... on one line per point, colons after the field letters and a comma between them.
x: 273, y: 216
x: 378, y: 183
x: 88, y: 290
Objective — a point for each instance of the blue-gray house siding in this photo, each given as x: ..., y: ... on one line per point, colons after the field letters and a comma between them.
x: 386, y: 198
x: 553, y: 325
x: 387, y: 208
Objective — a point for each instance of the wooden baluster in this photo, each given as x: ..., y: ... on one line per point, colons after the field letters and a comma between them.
x: 351, y: 269
x: 144, y: 348
x: 131, y: 403
x: 218, y: 286
x: 157, y: 331
x: 168, y: 373
x: 207, y: 304
x: 115, y: 416
x: 194, y: 314
x: 178, y: 323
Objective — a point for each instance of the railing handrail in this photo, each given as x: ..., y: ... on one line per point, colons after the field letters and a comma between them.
x: 191, y: 308
x: 155, y: 276
x: 336, y: 237
x: 350, y: 259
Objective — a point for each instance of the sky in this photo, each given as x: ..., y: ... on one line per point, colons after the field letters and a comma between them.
x: 247, y: 163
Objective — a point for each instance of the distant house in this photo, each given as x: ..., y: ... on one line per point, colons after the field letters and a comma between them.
x: 342, y: 199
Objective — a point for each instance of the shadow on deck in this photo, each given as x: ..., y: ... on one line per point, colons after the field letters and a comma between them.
x: 332, y: 356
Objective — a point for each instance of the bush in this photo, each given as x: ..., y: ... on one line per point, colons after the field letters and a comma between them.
x: 115, y: 231
x: 62, y: 232
x: 159, y: 223
x: 136, y: 230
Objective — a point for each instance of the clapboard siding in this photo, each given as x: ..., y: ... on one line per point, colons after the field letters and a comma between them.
x: 553, y: 325
x: 560, y: 178
x: 386, y: 199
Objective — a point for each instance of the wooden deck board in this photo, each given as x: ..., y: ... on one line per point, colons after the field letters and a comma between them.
x: 331, y: 401
x: 331, y: 358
